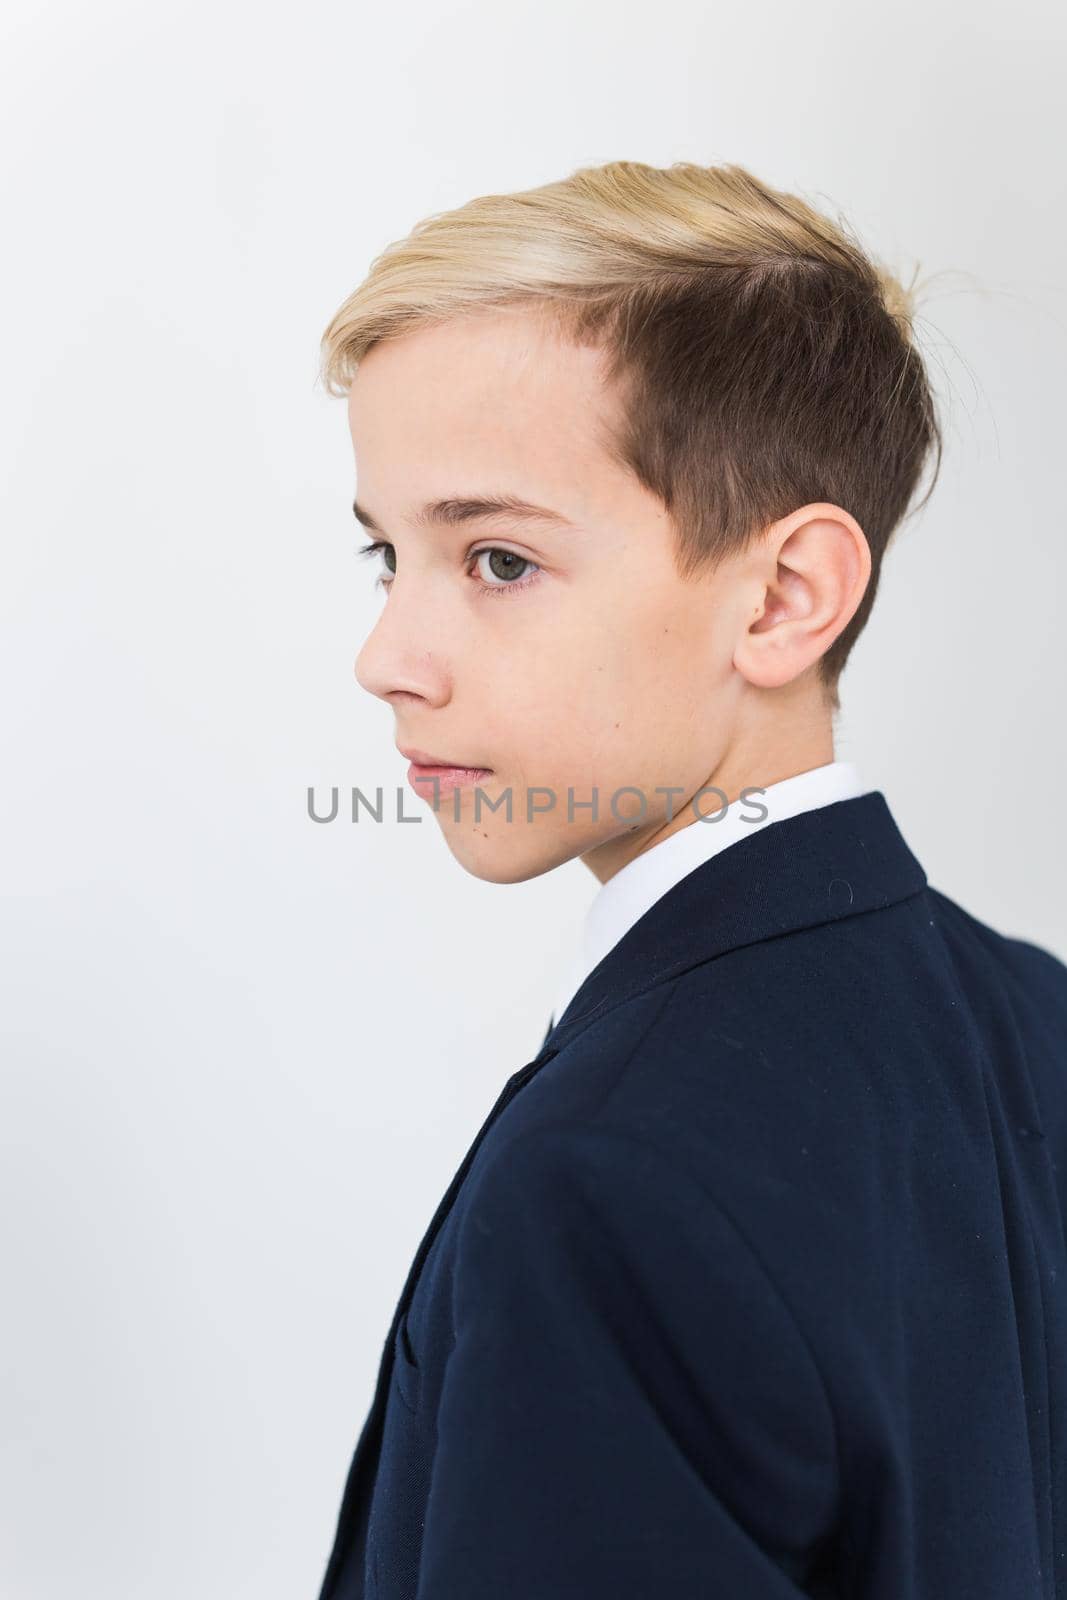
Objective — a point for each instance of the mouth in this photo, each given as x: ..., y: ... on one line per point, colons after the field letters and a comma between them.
x: 422, y: 758
x: 426, y: 770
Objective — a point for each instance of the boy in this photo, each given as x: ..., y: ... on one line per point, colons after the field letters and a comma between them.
x: 753, y: 1282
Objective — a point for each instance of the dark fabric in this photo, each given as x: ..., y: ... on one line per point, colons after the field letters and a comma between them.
x: 752, y: 1284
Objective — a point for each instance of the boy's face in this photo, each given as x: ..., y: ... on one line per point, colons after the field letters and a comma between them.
x: 584, y: 663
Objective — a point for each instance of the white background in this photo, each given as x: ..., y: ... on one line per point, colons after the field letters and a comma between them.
x: 243, y: 1054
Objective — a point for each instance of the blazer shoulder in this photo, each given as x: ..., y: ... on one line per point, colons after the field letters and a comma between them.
x: 1028, y: 963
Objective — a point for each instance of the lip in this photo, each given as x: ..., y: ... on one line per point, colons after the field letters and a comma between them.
x: 431, y: 782
x: 446, y: 775
x: 422, y: 758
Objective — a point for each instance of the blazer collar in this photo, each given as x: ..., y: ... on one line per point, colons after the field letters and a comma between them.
x: 823, y: 865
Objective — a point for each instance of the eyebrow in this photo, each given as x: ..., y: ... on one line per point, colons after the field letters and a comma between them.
x: 456, y: 510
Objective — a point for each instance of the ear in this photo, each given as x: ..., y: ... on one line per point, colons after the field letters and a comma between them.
x: 807, y: 577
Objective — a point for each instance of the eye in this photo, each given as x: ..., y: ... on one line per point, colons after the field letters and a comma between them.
x: 508, y: 572
x: 372, y: 549
x: 507, y: 567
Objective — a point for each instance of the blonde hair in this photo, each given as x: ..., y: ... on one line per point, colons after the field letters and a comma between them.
x: 766, y: 361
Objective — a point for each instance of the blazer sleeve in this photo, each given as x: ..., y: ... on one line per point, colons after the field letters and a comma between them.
x: 629, y: 1408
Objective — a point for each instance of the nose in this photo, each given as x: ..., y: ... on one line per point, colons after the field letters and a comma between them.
x: 398, y: 657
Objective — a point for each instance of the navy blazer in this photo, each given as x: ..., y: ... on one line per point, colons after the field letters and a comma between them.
x: 753, y: 1284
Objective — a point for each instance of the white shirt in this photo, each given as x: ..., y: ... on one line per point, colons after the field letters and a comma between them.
x: 627, y: 895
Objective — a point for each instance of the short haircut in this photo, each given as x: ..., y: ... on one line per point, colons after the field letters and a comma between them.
x: 765, y: 359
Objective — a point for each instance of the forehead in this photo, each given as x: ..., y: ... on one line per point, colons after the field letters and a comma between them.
x: 497, y: 391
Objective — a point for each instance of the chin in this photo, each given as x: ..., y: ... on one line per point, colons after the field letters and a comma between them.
x: 513, y: 855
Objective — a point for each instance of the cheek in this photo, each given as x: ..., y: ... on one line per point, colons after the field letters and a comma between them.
x: 654, y: 658
x: 661, y: 695
x: 598, y: 686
